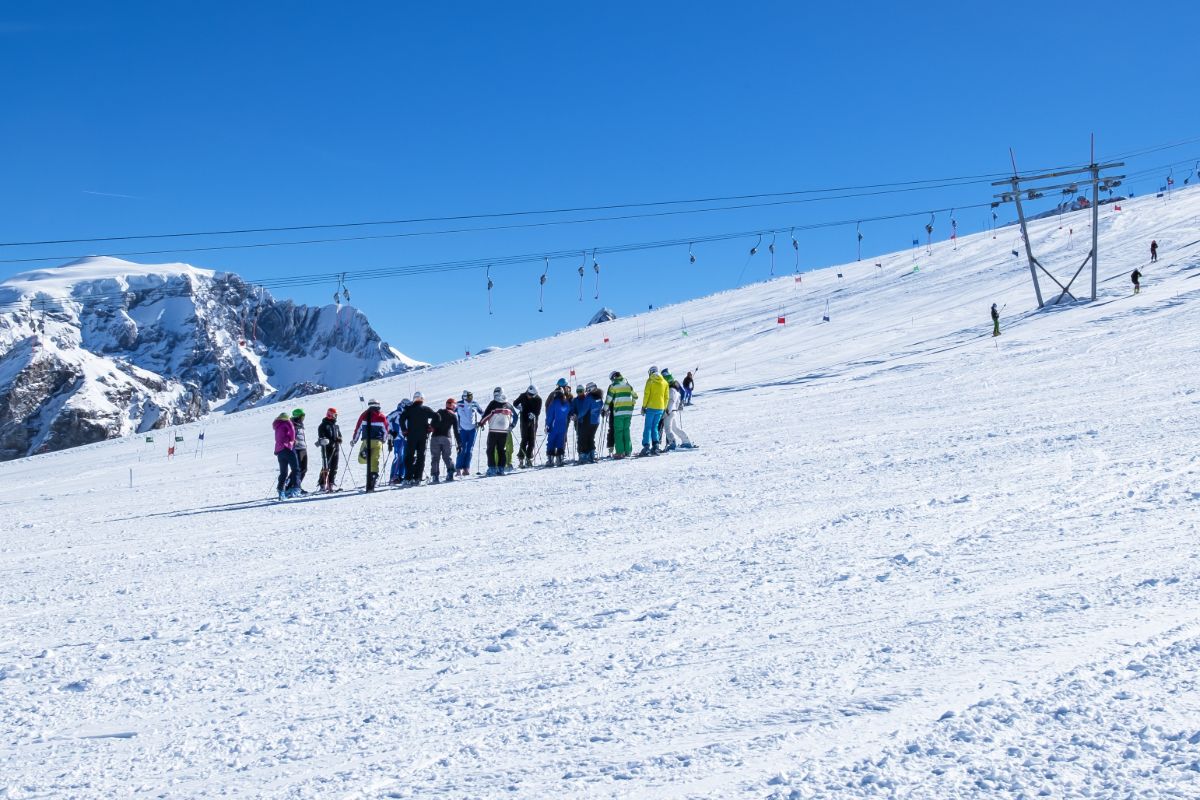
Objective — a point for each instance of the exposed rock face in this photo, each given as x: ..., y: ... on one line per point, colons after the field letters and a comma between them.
x: 603, y: 315
x: 103, y: 348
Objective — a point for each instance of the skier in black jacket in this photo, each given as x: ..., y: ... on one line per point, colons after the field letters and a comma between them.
x: 445, y: 425
x: 415, y: 424
x: 329, y: 439
x: 529, y: 407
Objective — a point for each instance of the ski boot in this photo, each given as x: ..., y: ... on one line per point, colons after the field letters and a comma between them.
x: 437, y: 479
x: 282, y: 495
x: 671, y: 447
x: 558, y: 460
x: 656, y: 450
x: 645, y: 451
x: 450, y: 477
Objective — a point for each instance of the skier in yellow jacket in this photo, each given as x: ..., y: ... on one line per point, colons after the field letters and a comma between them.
x: 654, y: 404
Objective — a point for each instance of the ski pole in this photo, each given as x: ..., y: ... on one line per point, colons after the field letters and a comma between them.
x: 346, y: 469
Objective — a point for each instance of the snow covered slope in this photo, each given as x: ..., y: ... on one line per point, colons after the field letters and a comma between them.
x: 103, y: 347
x: 909, y: 560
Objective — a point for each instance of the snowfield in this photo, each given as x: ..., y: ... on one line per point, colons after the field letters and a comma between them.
x: 909, y: 560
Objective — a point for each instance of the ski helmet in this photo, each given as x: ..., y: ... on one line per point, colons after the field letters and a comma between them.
x: 450, y: 404
x: 372, y: 404
x: 330, y: 413
x: 418, y: 397
x: 562, y: 383
x: 281, y: 416
x: 297, y: 413
x: 654, y: 370
x: 590, y: 387
x: 614, y: 376
x: 497, y: 394
x: 532, y: 389
x: 579, y: 389
x: 405, y: 403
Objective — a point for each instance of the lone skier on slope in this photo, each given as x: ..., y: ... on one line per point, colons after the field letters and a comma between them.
x: 372, y: 429
x: 689, y: 383
x: 654, y: 403
x: 529, y: 407
x: 416, y: 423
x: 445, y: 425
x: 468, y: 412
x: 1136, y: 277
x: 289, y: 468
x: 329, y: 439
x: 619, y: 402
x: 995, y: 320
x: 498, y: 417
x: 1153, y: 251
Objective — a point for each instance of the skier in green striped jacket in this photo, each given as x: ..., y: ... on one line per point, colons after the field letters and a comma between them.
x: 619, y: 404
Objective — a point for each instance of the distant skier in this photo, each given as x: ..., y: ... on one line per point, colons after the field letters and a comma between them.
x: 529, y: 407
x: 619, y: 401
x: 585, y: 409
x: 285, y: 453
x: 445, y: 425
x: 1136, y: 277
x: 1153, y: 251
x: 498, y: 417
x: 654, y: 403
x: 301, y: 448
x: 416, y: 423
x: 995, y: 320
x: 468, y: 412
x: 689, y: 383
x: 329, y: 439
x: 372, y: 429
x: 558, y: 412
x: 396, y: 441
x: 674, y: 425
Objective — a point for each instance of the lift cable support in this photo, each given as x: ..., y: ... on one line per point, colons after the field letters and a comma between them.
x: 1021, y: 185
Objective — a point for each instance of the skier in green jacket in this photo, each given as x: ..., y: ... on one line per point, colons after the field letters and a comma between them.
x: 618, y: 405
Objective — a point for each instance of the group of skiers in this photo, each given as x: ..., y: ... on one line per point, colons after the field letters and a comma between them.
x: 412, y: 430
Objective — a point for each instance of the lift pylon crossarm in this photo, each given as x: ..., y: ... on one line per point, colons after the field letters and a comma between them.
x: 1048, y: 175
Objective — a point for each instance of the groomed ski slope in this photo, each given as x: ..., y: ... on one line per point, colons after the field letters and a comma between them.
x: 909, y: 560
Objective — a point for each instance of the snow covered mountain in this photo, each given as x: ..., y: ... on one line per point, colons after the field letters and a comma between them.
x: 909, y: 560
x: 102, y: 348
x: 603, y: 315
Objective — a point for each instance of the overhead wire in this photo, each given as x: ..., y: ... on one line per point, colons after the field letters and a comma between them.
x: 293, y: 281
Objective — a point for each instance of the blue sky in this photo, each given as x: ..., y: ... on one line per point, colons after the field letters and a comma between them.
x: 142, y: 117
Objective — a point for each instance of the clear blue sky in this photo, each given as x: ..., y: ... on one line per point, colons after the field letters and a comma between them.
x: 138, y: 117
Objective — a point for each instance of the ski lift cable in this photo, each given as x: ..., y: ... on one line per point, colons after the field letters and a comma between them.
x: 378, y: 273
x: 909, y: 185
x: 258, y: 245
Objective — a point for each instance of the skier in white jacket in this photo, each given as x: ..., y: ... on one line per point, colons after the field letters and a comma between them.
x: 468, y: 412
x: 673, y: 424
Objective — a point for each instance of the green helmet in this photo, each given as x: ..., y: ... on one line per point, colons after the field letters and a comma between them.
x: 298, y: 412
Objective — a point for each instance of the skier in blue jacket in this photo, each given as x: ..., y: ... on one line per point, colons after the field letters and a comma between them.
x: 585, y: 409
x: 558, y: 415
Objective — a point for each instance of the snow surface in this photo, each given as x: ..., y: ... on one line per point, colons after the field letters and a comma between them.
x: 909, y: 560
